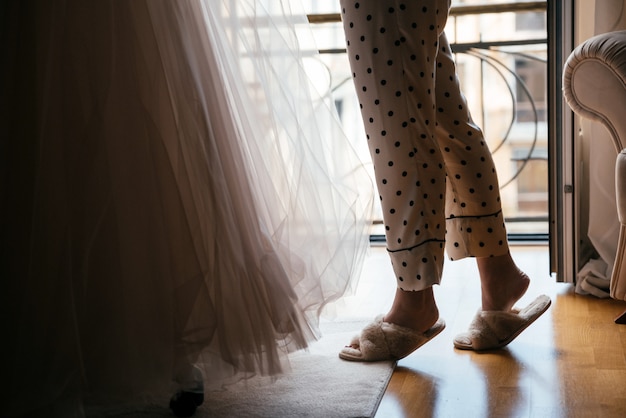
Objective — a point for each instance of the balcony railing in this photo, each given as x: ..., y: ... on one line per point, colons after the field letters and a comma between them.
x: 503, y: 74
x: 460, y: 10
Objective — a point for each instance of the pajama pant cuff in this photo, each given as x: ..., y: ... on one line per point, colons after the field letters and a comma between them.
x: 476, y: 236
x: 420, y: 267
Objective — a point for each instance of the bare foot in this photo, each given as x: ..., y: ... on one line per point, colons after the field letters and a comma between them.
x: 502, y: 282
x: 414, y: 310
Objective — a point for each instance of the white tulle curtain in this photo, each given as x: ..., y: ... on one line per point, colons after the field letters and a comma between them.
x: 138, y: 132
x: 317, y: 199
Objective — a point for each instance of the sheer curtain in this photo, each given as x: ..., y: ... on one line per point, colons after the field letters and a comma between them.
x: 174, y: 190
x: 311, y: 189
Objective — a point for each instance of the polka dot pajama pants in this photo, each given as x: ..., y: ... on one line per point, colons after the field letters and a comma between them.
x: 434, y: 172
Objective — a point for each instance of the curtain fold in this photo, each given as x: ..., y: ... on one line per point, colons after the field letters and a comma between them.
x: 175, y: 192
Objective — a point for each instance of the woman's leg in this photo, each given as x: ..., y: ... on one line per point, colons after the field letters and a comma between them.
x: 474, y: 222
x: 434, y: 172
x: 392, y: 47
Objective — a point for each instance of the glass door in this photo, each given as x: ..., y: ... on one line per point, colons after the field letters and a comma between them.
x: 564, y: 213
x: 509, y: 59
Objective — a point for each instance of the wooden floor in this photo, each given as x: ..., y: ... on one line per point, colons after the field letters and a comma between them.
x: 570, y: 363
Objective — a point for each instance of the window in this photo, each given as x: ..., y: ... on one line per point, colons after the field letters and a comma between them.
x: 501, y: 53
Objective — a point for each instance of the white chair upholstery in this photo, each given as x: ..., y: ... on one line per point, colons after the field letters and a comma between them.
x: 594, y: 86
x: 618, y: 278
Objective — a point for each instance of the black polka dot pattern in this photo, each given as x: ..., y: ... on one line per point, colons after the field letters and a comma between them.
x: 434, y: 173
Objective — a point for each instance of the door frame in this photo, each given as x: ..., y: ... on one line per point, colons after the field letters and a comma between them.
x: 564, y: 235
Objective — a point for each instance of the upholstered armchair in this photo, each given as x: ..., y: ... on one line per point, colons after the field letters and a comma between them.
x: 594, y: 86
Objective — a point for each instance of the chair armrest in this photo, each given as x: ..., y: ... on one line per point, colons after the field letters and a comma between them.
x: 594, y: 83
x: 618, y: 278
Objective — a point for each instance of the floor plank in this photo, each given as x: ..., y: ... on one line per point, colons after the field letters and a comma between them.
x: 570, y: 363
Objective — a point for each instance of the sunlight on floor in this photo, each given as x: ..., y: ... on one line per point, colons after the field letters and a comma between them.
x: 570, y: 363
x: 376, y: 285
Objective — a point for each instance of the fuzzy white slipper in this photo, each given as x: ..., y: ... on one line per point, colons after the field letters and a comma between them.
x: 385, y: 341
x: 491, y: 330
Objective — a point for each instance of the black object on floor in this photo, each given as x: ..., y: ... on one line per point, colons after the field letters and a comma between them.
x: 184, y: 404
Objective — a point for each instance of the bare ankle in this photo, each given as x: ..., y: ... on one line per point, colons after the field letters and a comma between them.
x: 415, y: 310
x: 502, y: 283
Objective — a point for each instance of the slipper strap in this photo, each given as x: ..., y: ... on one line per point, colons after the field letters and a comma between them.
x: 491, y: 328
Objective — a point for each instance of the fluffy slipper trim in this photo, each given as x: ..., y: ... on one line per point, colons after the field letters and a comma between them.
x: 385, y: 341
x: 491, y: 330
